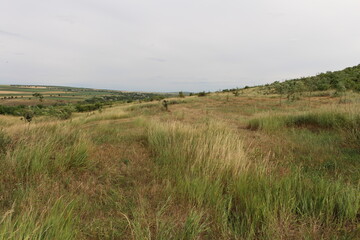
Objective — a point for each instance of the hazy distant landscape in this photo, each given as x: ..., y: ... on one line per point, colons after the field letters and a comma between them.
x: 24, y: 95
x: 278, y: 161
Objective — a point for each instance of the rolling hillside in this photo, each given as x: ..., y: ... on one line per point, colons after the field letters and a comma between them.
x: 222, y: 166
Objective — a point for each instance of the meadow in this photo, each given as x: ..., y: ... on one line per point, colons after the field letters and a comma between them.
x: 221, y: 166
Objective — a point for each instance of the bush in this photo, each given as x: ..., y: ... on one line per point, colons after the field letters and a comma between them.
x: 12, y: 110
x: 88, y: 107
x: 201, y: 94
x: 63, y: 114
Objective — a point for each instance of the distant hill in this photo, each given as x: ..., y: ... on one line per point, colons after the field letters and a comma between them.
x: 24, y: 95
x: 62, y: 101
x: 346, y: 79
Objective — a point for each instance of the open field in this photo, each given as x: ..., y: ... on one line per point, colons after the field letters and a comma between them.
x: 23, y: 95
x: 213, y: 167
x: 13, y: 95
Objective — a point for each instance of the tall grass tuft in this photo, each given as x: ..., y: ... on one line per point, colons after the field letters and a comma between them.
x: 4, y: 141
x: 56, y: 222
x: 48, y: 150
x: 314, y: 120
x: 198, y: 150
x: 259, y: 201
x: 208, y: 168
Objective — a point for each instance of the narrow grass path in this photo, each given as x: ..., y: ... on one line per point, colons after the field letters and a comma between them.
x: 129, y: 193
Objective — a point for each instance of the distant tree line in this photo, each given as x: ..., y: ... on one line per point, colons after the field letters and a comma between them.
x: 341, y: 81
x: 347, y: 79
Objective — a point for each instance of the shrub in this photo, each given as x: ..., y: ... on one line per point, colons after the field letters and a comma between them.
x: 28, y: 115
x: 88, y: 107
x: 64, y: 114
x: 201, y: 94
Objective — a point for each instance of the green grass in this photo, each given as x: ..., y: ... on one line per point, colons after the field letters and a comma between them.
x: 325, y: 143
x: 207, y: 168
x: 55, y: 222
x: 314, y: 120
x: 35, y: 162
x: 48, y: 151
x: 135, y: 171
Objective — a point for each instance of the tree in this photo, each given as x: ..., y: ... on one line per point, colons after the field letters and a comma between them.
x: 38, y: 95
x: 165, y: 104
x: 202, y: 94
x: 181, y: 95
x: 290, y: 90
x: 300, y: 87
x: 28, y: 116
x: 310, y: 86
x: 280, y: 89
x: 236, y: 92
x: 267, y: 89
x: 340, y: 89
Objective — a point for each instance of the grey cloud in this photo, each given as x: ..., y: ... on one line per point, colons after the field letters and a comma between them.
x: 11, y: 34
x: 195, y: 83
x: 157, y: 59
x: 67, y: 18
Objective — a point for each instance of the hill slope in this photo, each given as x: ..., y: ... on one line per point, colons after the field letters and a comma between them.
x: 213, y: 167
x: 347, y: 79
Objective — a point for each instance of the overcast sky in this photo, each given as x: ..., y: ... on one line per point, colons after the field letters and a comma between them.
x: 173, y: 45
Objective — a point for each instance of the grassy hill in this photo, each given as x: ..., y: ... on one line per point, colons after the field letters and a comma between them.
x: 222, y: 166
x: 339, y: 81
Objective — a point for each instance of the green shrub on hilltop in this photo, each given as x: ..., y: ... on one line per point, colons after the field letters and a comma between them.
x: 202, y: 94
x: 347, y: 79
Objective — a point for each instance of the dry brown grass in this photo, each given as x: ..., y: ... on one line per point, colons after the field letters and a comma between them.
x: 12, y: 92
